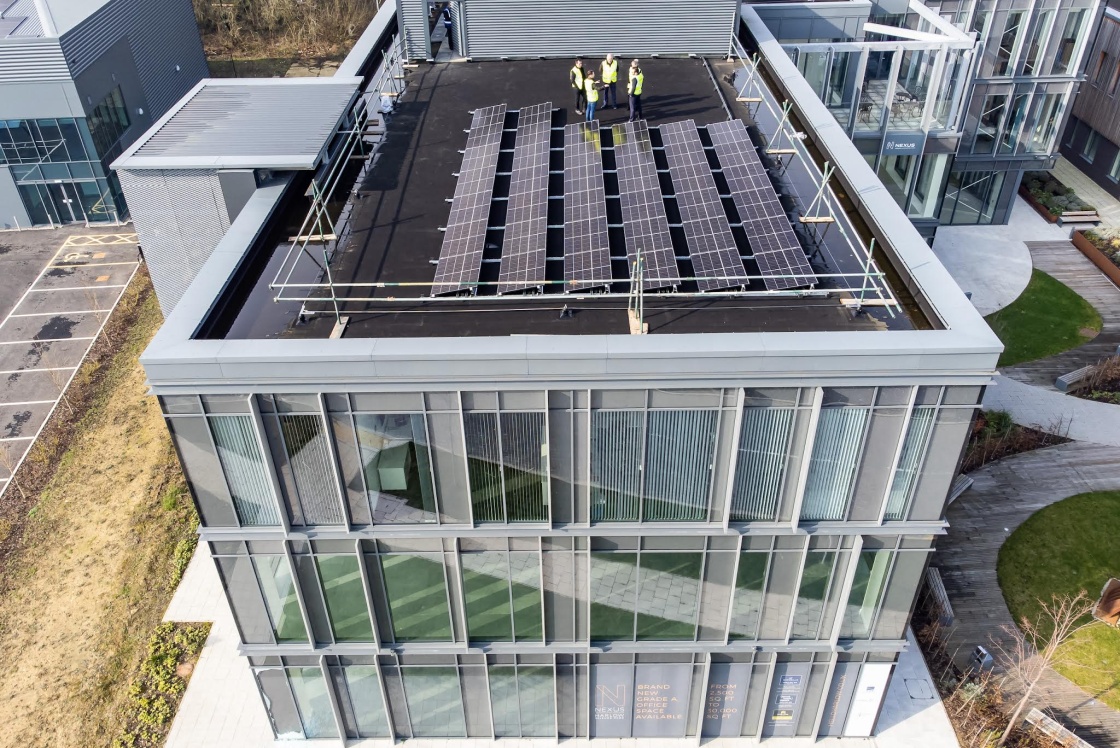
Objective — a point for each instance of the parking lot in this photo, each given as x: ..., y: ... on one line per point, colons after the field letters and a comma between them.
x: 46, y: 334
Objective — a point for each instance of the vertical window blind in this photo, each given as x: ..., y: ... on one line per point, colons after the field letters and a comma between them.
x: 833, y: 465
x: 679, y: 464
x: 616, y: 462
x: 306, y: 447
x: 243, y: 465
x: 506, y: 456
x: 909, y: 462
x: 761, y: 464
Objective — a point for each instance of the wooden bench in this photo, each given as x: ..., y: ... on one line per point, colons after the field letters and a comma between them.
x: 1053, y: 730
x: 961, y: 484
x: 1074, y: 380
x: 1078, y: 216
x: 939, y: 597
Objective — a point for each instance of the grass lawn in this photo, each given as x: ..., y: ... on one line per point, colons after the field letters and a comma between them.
x: 1064, y: 548
x: 1046, y: 319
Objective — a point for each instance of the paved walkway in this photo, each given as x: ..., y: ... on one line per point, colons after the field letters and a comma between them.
x: 1108, y: 207
x: 1004, y: 495
x: 992, y: 262
x: 1055, y: 413
x: 1063, y: 261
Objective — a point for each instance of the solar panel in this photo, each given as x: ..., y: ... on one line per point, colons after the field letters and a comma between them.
x: 524, y: 246
x: 460, y: 257
x: 715, y: 257
x: 587, y: 253
x: 779, y: 255
x: 643, y: 208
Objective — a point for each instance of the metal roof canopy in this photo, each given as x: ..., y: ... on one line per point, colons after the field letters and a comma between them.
x: 266, y: 123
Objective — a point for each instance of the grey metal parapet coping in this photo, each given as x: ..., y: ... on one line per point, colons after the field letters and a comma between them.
x: 261, y: 123
x: 928, y: 279
x: 366, y: 42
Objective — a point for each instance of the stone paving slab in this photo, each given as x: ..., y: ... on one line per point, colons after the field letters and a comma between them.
x: 1108, y: 207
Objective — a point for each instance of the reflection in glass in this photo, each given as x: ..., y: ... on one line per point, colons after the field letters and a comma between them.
x: 368, y: 708
x: 811, y: 594
x: 1008, y: 43
x: 867, y: 590
x: 1067, y: 46
x: 435, y: 702
x: 614, y: 580
x: 503, y: 596
x: 243, y: 467
x: 417, y: 592
x: 507, y: 463
x: 396, y: 464
x: 657, y: 602
x: 523, y: 701
x: 750, y: 583
x: 1039, y: 38
x: 310, y: 691
x: 280, y: 598
x: 344, y: 590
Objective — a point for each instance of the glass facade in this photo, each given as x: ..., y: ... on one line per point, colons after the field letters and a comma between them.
x: 557, y: 564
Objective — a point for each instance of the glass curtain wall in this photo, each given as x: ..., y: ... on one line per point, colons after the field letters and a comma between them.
x: 837, y: 449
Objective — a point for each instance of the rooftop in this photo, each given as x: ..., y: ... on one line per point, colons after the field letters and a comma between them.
x: 401, y: 202
x: 19, y: 18
x: 267, y: 123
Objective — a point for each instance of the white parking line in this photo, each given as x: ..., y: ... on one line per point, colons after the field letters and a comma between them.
x: 32, y: 371
x: 62, y: 314
x: 18, y: 439
x: 42, y: 340
x: 89, y: 264
x: 77, y: 288
x: 27, y: 402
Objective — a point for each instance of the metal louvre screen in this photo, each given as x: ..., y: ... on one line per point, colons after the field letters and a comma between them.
x: 761, y: 464
x: 243, y: 467
x: 412, y: 15
x: 310, y: 461
x: 566, y: 28
x: 835, y: 452
x: 616, y: 461
x: 679, y: 456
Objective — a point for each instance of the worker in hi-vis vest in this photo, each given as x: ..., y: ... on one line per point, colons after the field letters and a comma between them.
x: 575, y: 75
x: 608, y: 76
x: 591, y: 86
x: 634, y: 89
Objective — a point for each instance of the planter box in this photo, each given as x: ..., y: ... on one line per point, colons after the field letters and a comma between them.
x: 1097, y: 257
x: 1039, y: 207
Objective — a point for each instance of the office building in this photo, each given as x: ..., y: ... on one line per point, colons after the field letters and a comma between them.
x: 502, y: 424
x: 79, y: 81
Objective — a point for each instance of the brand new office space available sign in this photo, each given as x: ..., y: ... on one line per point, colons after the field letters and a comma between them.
x: 642, y: 701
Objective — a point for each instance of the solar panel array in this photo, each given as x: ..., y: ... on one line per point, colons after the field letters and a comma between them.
x: 524, y: 246
x: 643, y: 208
x: 779, y: 255
x: 715, y: 257
x: 460, y: 257
x: 587, y: 253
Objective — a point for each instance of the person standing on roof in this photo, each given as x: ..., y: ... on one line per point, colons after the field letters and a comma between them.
x: 608, y: 75
x: 575, y: 75
x: 634, y: 89
x: 591, y: 87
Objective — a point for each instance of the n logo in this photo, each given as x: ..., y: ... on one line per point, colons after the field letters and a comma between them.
x: 607, y: 697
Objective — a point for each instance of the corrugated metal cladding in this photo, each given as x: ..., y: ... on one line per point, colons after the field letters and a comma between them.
x: 566, y: 28
x: 414, y: 19
x: 162, y: 34
x: 283, y: 119
x: 180, y: 216
x: 31, y: 25
x: 30, y: 60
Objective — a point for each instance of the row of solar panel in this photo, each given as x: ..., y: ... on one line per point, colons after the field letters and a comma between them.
x: 587, y: 264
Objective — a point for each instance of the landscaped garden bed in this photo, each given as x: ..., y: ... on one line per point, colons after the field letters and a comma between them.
x: 1102, y: 247
x: 995, y: 436
x: 1050, y: 197
x: 1103, y: 385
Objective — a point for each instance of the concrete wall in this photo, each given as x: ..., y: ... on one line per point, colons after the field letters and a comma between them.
x: 12, y: 213
x: 40, y: 100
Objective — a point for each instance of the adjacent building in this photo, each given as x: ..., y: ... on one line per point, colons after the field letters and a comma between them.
x: 1092, y: 136
x: 79, y: 81
x: 504, y: 425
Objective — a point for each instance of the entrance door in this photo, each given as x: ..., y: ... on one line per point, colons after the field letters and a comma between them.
x: 66, y: 203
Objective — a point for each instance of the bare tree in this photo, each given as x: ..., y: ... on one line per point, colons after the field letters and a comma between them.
x: 59, y: 376
x: 10, y: 462
x: 1033, y: 647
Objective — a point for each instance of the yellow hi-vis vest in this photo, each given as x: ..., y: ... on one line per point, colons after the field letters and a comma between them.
x: 636, y: 81
x: 592, y: 92
x: 610, y: 71
x: 576, y: 73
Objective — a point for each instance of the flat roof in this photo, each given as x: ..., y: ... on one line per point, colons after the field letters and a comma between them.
x: 402, y: 202
x: 19, y: 18
x: 266, y: 123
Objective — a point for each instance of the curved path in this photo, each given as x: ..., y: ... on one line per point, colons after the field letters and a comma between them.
x: 1004, y: 495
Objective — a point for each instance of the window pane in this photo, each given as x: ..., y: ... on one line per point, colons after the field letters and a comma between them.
x: 811, y: 594
x: 1039, y: 38
x: 867, y: 589
x: 310, y: 690
x: 281, y: 707
x: 397, y: 467
x: 616, y: 460
x: 243, y: 465
x: 832, y: 467
x: 903, y: 587
x: 614, y: 578
x: 435, y: 703
x: 780, y: 588
x: 365, y: 695
x: 668, y: 593
x: 484, y: 466
x: 749, y: 586
x: 910, y: 461
x: 536, y: 689
x: 679, y: 464
x: 74, y: 146
x: 1067, y: 46
x: 310, y: 460
x: 486, y: 586
x: 346, y: 599
x: 417, y: 594
x: 525, y: 587
x: 243, y: 592
x: 524, y: 454
x: 280, y: 596
x: 504, y: 702
x: 203, y: 471
x: 761, y: 466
